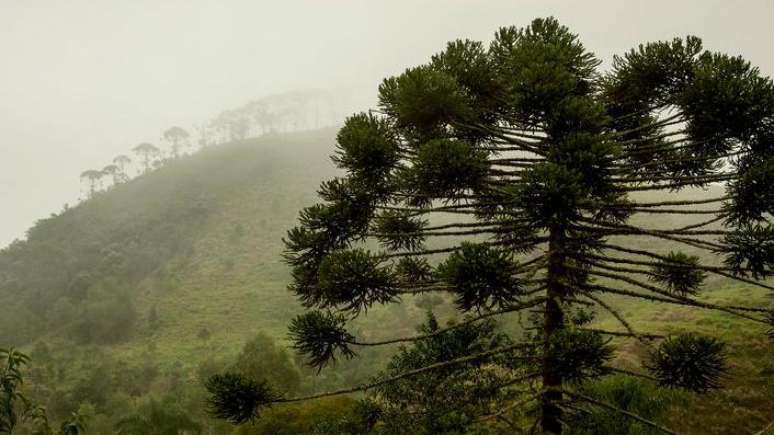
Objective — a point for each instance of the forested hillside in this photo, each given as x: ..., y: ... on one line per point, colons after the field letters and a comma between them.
x: 127, y: 301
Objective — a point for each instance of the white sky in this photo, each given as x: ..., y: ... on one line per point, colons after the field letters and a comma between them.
x: 82, y: 81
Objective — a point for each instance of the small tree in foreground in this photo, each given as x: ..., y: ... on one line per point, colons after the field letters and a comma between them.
x: 16, y: 409
x: 540, y: 156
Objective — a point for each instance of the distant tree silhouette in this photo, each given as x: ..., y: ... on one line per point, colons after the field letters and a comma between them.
x: 114, y: 172
x: 177, y: 137
x: 239, y: 128
x: 204, y: 136
x: 92, y: 176
x: 543, y: 159
x: 261, y: 116
x: 147, y: 152
x: 231, y: 125
x: 159, y: 163
x: 122, y: 161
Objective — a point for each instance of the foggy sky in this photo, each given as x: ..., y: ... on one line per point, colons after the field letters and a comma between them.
x: 84, y: 80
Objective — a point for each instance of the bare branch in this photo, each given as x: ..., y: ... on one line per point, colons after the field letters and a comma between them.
x: 618, y: 316
x: 411, y: 373
x: 593, y: 401
x: 512, y: 309
x: 624, y: 334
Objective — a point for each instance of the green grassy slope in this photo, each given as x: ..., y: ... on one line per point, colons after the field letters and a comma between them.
x: 231, y: 282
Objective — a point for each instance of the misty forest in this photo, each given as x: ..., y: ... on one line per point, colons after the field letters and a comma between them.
x: 516, y: 236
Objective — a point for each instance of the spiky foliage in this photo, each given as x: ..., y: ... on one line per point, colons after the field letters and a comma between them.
x: 397, y: 230
x: 366, y: 148
x: 548, y: 194
x: 517, y: 165
x: 236, y: 398
x: 679, y: 273
x: 413, y: 270
x: 444, y: 168
x: 750, y: 249
x: 482, y: 277
x: 320, y: 336
x: 689, y: 361
x: 325, y: 228
x: 578, y: 355
x: 753, y: 191
x: 353, y: 280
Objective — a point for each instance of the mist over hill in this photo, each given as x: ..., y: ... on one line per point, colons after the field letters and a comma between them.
x: 209, y: 220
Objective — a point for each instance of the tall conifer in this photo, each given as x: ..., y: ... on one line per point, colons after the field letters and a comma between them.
x: 542, y: 155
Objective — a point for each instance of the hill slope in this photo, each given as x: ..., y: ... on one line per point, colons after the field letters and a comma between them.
x: 196, y: 243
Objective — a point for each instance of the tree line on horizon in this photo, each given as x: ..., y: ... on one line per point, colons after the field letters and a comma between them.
x: 279, y: 113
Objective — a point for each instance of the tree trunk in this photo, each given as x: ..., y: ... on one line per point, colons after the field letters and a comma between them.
x: 553, y: 322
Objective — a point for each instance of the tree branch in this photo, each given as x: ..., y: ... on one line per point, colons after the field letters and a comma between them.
x: 441, y: 331
x: 618, y: 316
x: 610, y: 407
x: 410, y: 373
x: 713, y: 269
x: 682, y: 300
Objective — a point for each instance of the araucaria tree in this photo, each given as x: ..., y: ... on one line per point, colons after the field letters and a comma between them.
x: 177, y: 137
x: 114, y: 172
x: 147, y: 152
x: 92, y: 176
x: 122, y: 161
x: 545, y: 160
